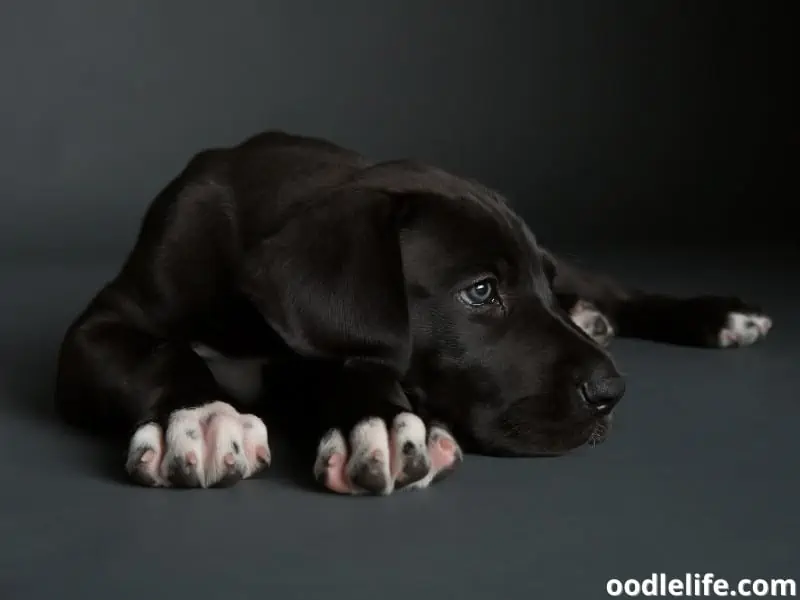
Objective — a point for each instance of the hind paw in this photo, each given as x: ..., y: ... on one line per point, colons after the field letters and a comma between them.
x: 743, y: 328
x: 593, y: 322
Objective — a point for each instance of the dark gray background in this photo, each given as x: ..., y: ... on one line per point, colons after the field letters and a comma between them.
x: 655, y: 140
x: 597, y: 117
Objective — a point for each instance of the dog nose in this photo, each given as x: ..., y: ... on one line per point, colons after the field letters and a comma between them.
x: 603, y: 389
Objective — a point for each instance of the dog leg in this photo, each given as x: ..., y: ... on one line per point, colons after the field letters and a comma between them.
x: 705, y: 321
x: 114, y: 376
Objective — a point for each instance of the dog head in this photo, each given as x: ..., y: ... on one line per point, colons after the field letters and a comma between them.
x: 435, y: 279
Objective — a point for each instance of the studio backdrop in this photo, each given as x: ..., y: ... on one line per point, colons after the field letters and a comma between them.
x: 662, y: 120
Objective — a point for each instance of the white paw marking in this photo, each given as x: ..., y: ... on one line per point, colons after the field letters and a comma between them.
x: 408, y: 442
x: 592, y: 322
x: 743, y: 329
x: 202, y: 447
x: 256, y: 444
x: 369, y: 443
x: 382, y: 461
x: 439, y: 456
x: 185, y: 446
x: 145, y: 453
x: 331, y: 444
x: 241, y: 378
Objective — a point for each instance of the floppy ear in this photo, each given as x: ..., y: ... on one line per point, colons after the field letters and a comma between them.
x: 330, y: 281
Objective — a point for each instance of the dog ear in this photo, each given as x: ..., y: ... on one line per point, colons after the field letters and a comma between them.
x: 330, y: 281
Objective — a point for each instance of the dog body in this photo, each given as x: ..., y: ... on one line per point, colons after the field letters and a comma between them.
x: 413, y: 308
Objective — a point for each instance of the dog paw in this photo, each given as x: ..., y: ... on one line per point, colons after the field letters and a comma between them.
x: 594, y: 323
x: 209, y: 446
x: 380, y: 460
x: 721, y: 321
x: 743, y: 327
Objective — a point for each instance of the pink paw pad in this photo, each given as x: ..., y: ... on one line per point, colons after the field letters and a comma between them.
x: 445, y: 453
x: 336, y: 475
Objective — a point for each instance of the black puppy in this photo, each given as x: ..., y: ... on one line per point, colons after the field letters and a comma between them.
x: 417, y: 304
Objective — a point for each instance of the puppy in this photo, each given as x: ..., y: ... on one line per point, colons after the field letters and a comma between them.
x: 414, y: 307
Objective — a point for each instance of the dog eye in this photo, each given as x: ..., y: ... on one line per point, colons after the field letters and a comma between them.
x: 479, y: 293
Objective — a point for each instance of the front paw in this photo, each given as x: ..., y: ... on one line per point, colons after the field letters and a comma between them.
x: 380, y: 460
x: 209, y: 446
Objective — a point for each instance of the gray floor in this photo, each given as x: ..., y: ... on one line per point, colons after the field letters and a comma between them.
x: 701, y: 475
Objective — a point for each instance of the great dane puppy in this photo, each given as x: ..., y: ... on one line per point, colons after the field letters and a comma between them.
x: 418, y: 304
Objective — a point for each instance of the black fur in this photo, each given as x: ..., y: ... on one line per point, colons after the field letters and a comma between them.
x: 347, y: 274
